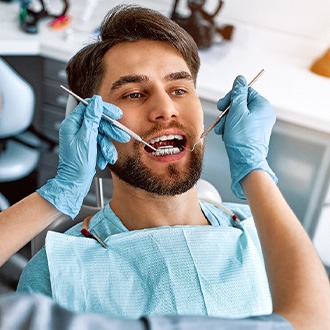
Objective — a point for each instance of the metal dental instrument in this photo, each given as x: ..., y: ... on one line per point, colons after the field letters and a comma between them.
x: 114, y: 122
x: 92, y: 234
x: 223, y: 113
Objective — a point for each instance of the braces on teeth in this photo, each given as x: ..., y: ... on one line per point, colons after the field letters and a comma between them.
x: 166, y: 150
x: 169, y: 149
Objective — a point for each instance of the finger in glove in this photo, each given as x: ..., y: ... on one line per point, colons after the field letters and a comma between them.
x: 106, y: 151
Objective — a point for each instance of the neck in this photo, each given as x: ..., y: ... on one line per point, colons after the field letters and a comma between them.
x: 138, y: 209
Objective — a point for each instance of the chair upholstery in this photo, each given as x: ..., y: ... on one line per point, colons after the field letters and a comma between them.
x: 17, y: 160
x: 18, y: 101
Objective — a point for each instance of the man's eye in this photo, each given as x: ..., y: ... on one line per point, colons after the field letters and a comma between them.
x: 133, y: 96
x: 179, y: 92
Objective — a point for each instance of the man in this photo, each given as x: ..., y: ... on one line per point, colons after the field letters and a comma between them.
x: 167, y: 252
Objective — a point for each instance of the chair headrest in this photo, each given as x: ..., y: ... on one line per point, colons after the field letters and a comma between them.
x: 18, y: 102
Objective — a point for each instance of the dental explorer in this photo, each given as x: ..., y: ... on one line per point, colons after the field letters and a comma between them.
x: 114, y: 122
x: 223, y: 113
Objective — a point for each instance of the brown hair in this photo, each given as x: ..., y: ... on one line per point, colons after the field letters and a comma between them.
x: 127, y: 23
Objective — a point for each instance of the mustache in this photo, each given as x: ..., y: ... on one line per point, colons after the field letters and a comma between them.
x: 174, y: 124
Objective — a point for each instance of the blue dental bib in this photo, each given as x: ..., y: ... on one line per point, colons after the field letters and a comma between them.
x: 178, y: 270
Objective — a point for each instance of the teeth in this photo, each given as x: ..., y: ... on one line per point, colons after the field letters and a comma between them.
x: 166, y: 151
x: 166, y: 137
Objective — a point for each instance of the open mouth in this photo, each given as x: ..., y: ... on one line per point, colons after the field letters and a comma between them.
x: 167, y: 145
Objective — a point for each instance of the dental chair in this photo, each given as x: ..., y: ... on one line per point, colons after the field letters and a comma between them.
x: 18, y: 151
x: 17, y: 105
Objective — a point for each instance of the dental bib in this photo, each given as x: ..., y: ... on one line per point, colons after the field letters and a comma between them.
x: 178, y: 270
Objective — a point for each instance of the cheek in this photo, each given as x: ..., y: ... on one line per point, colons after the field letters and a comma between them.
x: 132, y: 119
x: 198, y: 115
x: 201, y: 117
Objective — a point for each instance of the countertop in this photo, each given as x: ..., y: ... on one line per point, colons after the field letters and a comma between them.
x: 298, y: 95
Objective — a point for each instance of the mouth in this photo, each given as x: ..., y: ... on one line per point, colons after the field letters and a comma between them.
x: 170, y: 144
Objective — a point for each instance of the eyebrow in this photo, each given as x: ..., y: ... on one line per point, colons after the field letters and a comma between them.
x: 129, y: 79
x: 178, y: 75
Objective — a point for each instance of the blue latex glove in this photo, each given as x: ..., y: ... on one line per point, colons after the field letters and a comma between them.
x: 83, y: 142
x: 246, y: 132
x: 106, y: 152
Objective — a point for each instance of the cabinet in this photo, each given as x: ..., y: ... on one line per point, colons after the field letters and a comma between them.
x: 52, y: 113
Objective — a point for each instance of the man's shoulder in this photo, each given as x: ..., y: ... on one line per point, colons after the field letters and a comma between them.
x: 35, y: 276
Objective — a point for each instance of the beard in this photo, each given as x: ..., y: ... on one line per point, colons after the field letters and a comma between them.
x: 135, y: 173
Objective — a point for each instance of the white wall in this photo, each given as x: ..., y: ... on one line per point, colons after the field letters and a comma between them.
x: 308, y: 18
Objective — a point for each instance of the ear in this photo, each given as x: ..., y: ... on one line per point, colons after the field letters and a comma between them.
x: 71, y: 104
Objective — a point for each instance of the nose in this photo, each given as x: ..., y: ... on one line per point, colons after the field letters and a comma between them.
x: 162, y: 107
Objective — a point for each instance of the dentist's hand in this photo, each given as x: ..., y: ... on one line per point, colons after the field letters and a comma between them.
x: 83, y: 142
x: 246, y: 132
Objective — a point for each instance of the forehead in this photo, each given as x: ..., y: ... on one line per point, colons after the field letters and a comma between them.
x: 151, y: 58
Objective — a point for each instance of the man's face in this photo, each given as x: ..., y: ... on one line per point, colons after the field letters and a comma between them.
x: 151, y: 83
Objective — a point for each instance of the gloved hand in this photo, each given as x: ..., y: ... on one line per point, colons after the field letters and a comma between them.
x: 83, y: 142
x: 246, y: 132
